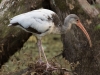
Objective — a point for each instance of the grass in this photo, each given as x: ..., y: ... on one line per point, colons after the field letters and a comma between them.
x: 29, y: 53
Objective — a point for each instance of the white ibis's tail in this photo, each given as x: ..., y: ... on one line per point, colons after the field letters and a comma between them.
x: 10, y: 25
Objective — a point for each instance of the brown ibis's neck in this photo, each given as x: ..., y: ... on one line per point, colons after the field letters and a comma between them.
x: 66, y: 27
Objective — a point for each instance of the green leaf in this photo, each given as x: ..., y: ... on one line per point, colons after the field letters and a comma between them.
x: 97, y: 27
x: 99, y: 16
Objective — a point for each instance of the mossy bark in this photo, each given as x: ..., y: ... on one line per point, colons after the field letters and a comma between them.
x: 75, y: 45
x: 12, y: 38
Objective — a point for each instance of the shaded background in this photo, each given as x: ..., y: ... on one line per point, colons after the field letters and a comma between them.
x: 74, y: 47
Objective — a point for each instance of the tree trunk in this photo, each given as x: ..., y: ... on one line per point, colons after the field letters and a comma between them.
x: 12, y: 38
x: 75, y: 45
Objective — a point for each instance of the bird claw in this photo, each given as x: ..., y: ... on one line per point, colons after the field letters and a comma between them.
x: 40, y: 61
x: 50, y: 67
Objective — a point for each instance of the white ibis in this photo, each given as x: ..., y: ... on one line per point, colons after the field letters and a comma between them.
x: 43, y: 21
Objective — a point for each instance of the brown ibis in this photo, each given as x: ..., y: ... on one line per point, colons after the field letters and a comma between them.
x: 41, y: 22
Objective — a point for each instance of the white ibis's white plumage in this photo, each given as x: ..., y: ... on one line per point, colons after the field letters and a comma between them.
x: 43, y: 21
x: 37, y: 21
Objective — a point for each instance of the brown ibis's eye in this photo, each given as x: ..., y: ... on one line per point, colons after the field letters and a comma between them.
x: 77, y: 20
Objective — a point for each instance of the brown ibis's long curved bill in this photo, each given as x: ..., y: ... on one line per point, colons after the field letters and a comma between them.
x: 79, y: 24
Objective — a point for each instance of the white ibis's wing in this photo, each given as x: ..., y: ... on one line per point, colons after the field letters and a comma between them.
x: 36, y: 21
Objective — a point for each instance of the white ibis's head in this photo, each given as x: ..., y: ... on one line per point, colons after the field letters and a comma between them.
x: 73, y: 19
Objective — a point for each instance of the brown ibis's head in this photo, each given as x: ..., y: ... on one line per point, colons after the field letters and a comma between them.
x: 73, y: 19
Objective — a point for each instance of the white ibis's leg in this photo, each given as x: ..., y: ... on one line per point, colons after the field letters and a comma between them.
x: 39, y: 47
x: 48, y: 65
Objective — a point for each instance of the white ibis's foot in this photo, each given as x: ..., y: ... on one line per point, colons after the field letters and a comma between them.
x: 50, y: 67
x: 40, y: 61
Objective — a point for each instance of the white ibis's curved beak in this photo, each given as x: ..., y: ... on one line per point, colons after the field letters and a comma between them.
x: 79, y: 24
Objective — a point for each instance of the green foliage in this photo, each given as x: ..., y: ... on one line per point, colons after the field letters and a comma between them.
x: 97, y: 5
x: 97, y: 27
x: 0, y: 1
x: 99, y: 16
